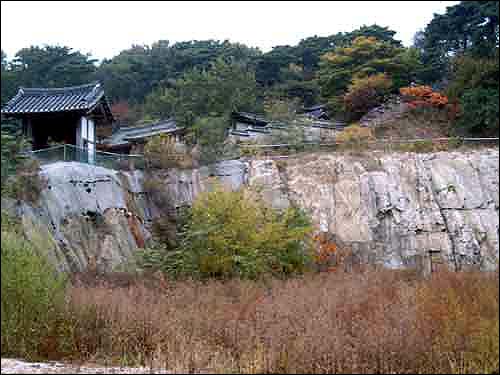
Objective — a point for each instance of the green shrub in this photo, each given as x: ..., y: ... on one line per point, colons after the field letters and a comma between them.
x: 20, y: 174
x: 454, y: 143
x: 355, y: 138
x: 480, y: 112
x: 423, y: 146
x: 234, y: 234
x: 280, y: 109
x: 163, y: 152
x: 209, y: 133
x: 27, y: 184
x: 248, y: 150
x: 12, y: 146
x: 32, y: 296
x: 474, y: 85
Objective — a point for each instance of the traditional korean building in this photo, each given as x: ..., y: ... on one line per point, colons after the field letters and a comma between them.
x: 126, y: 140
x: 77, y: 115
x: 318, y: 112
x: 255, y: 128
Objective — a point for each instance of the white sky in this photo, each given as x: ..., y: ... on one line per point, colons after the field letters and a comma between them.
x: 103, y: 29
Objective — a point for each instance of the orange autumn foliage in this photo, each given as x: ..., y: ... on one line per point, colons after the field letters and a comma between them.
x: 325, y: 249
x: 328, y: 253
x: 423, y: 96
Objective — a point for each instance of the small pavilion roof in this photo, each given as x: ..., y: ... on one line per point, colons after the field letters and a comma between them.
x: 81, y: 98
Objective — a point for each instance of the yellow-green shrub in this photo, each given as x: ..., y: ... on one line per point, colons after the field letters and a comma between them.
x: 234, y: 234
x: 163, y: 152
x: 32, y: 295
x: 355, y: 137
x: 355, y: 132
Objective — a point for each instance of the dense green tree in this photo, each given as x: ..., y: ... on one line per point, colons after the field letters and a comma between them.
x: 136, y: 72
x: 383, y: 34
x: 209, y: 78
x: 469, y: 27
x: 201, y: 54
x: 460, y: 48
x: 270, y: 65
x: 217, y: 90
x: 306, y: 91
x: 4, y: 61
x: 49, y: 66
x: 310, y: 50
x: 203, y: 99
x: 33, y: 292
x: 128, y: 76
x: 307, y: 54
x: 52, y: 66
x: 8, y: 80
x: 480, y: 112
x: 474, y: 83
x: 364, y: 57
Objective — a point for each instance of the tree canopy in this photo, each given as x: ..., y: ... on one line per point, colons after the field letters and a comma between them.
x: 460, y: 48
x: 470, y: 27
x: 137, y: 71
x: 199, y: 78
x: 52, y: 66
x: 364, y: 57
x: 216, y: 90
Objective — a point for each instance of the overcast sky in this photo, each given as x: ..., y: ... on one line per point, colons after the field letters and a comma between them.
x: 103, y: 29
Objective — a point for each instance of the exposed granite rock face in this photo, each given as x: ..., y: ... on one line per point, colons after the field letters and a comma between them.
x: 398, y: 209
x: 85, y: 211
x: 394, y: 210
x: 93, y: 217
x: 265, y: 174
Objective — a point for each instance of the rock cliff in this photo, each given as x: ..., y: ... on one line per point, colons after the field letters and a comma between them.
x: 396, y: 210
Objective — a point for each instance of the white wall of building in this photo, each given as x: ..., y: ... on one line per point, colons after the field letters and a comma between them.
x: 85, y: 136
x: 91, y: 139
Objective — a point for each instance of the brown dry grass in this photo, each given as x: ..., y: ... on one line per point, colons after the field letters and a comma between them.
x: 365, y: 322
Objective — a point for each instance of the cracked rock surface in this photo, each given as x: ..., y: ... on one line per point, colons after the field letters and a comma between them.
x: 392, y: 210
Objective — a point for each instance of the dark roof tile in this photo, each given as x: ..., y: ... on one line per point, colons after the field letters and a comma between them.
x: 40, y: 100
x: 134, y: 133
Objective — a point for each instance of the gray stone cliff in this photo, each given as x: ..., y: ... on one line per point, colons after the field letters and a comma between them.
x: 394, y: 210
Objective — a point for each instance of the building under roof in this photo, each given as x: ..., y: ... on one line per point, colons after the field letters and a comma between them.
x: 318, y: 112
x: 255, y: 127
x: 38, y: 100
x: 125, y: 138
x: 71, y: 115
x: 249, y: 118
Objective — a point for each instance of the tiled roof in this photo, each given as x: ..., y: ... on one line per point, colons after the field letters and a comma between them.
x: 38, y: 100
x: 315, y: 107
x: 250, y: 118
x: 124, y: 135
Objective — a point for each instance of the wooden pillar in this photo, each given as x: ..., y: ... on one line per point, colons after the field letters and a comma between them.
x: 28, y: 132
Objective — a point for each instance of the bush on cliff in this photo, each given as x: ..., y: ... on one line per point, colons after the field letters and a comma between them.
x: 163, y: 152
x: 234, y: 234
